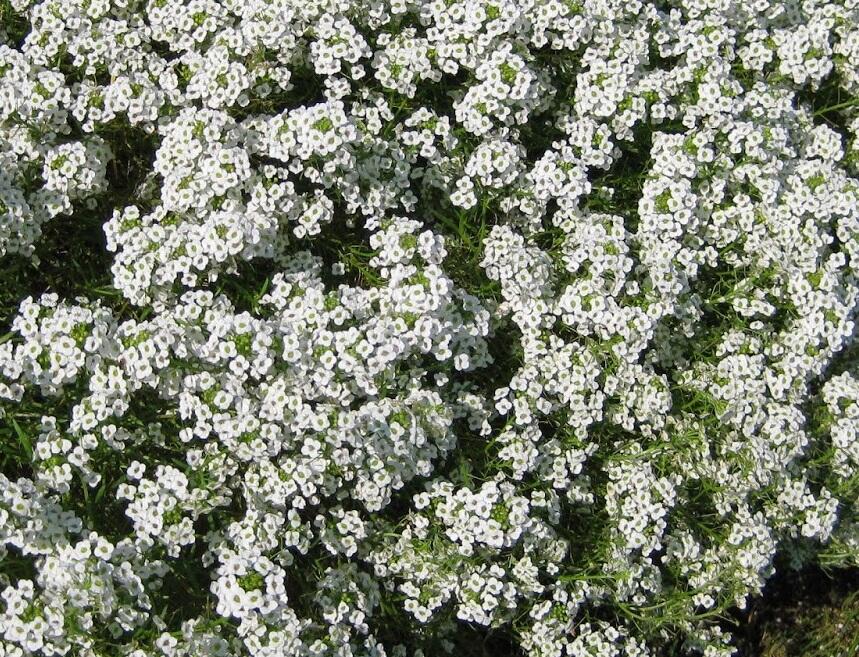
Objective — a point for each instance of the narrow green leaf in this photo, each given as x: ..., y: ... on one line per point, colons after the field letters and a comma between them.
x: 23, y: 438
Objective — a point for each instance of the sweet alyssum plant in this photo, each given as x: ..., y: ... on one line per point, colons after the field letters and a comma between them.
x: 415, y: 328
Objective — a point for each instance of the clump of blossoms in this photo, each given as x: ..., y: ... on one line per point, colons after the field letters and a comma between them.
x: 530, y: 317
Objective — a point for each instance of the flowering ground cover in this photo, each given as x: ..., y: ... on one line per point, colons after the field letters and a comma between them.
x: 405, y: 327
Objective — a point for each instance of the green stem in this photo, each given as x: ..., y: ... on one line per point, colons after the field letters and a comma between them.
x: 839, y: 106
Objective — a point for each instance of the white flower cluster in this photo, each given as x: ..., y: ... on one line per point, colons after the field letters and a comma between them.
x: 535, y: 316
x: 841, y: 394
x: 46, y: 167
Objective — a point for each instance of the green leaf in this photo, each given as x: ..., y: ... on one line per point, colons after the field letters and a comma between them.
x: 23, y: 438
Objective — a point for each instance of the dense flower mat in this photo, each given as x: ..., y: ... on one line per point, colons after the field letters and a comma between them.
x: 404, y: 328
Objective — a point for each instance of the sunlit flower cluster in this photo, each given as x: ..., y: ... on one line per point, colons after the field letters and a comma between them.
x: 529, y: 318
